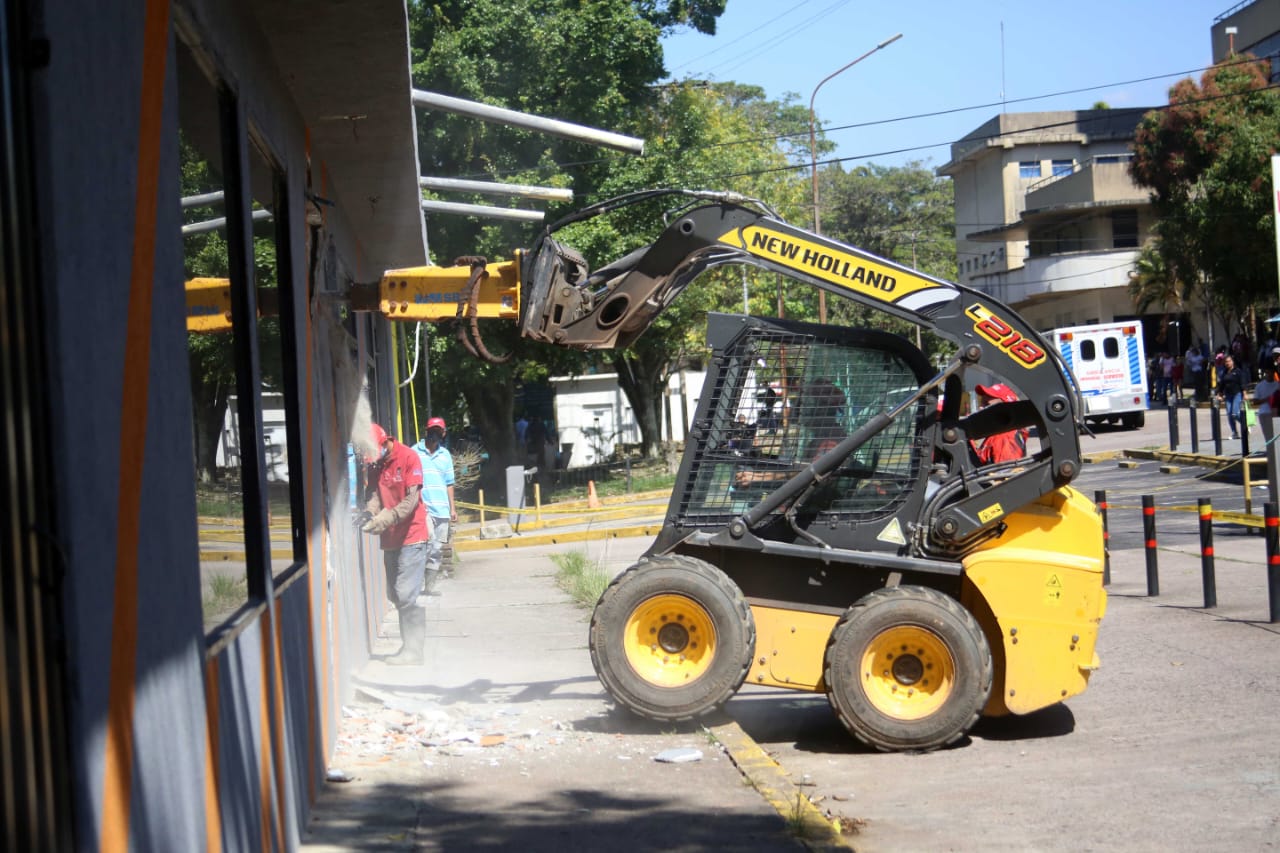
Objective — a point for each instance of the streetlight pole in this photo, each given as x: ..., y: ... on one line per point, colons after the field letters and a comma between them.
x: 813, y: 155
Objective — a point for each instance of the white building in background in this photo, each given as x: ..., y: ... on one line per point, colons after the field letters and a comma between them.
x: 274, y: 435
x: 593, y: 414
x: 1047, y: 218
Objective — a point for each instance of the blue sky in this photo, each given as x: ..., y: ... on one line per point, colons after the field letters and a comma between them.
x: 949, y: 57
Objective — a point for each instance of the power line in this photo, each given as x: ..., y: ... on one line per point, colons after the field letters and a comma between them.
x: 1013, y: 133
x: 784, y: 35
x: 954, y: 110
x: 748, y: 34
x: 906, y: 150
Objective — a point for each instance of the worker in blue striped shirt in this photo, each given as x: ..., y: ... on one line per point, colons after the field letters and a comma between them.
x: 437, y: 494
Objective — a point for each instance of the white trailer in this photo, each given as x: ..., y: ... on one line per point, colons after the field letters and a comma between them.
x: 1109, y: 363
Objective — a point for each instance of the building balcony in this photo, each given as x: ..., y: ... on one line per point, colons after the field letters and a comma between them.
x: 1056, y: 275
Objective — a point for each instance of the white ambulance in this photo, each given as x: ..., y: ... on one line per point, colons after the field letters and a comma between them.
x: 1109, y: 363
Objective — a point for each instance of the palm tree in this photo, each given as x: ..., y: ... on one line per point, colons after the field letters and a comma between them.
x: 1152, y: 283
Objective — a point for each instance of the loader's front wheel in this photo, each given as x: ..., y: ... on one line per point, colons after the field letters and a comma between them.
x: 672, y: 638
x: 907, y: 668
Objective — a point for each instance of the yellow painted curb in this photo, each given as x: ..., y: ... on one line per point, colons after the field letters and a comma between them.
x: 559, y: 538
x: 812, y: 829
x: 609, y: 515
x: 238, y: 556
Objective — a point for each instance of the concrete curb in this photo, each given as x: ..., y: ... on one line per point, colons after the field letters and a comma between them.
x: 764, y: 774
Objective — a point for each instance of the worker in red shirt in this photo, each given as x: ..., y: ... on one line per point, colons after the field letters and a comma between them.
x: 396, y: 513
x: 1003, y: 446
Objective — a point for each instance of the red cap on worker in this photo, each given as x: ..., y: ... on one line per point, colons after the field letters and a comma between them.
x: 998, y: 391
x: 437, y: 422
x: 377, y: 439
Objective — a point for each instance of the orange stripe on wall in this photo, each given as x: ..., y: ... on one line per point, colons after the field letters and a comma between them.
x: 280, y: 728
x: 212, y: 800
x: 270, y: 820
x: 118, y: 751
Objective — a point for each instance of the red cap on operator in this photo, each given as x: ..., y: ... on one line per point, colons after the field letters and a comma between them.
x: 998, y: 391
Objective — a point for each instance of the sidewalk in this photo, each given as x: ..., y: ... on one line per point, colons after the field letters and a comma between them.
x: 505, y: 740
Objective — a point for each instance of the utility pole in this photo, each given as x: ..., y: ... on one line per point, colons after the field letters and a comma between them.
x: 813, y: 154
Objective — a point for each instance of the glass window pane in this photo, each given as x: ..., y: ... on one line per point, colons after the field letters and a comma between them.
x: 277, y: 382
x: 216, y: 464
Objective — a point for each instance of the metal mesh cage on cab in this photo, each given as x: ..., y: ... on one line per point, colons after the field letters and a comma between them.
x: 781, y: 393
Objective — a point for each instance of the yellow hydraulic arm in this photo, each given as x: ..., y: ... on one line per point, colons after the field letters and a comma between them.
x: 429, y: 294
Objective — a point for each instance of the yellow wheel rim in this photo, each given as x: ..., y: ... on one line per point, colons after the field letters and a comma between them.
x: 907, y: 672
x: 670, y: 640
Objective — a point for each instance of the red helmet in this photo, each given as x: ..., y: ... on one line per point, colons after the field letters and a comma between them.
x: 437, y: 422
x: 377, y: 438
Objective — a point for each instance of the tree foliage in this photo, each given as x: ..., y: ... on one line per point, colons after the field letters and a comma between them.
x: 1206, y: 159
x: 698, y: 137
x: 901, y: 213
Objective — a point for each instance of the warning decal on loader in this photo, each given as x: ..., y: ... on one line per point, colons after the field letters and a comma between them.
x: 892, y: 533
x: 1053, y: 589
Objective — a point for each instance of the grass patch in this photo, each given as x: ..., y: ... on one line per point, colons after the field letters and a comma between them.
x: 225, y: 500
x: 222, y: 595
x: 582, y: 579
x: 646, y: 476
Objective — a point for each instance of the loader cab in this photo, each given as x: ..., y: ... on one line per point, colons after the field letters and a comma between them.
x: 780, y: 394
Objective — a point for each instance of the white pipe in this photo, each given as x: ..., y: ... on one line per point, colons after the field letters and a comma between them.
x: 202, y: 200
x: 495, y: 188
x: 483, y: 210
x: 555, y: 127
x: 219, y: 223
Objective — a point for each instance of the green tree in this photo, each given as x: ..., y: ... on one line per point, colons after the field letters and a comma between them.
x: 901, y: 213
x: 590, y: 62
x: 698, y: 137
x: 1153, y: 284
x: 1206, y: 160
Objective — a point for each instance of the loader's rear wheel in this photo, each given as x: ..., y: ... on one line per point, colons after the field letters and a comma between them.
x: 672, y: 638
x: 907, y: 668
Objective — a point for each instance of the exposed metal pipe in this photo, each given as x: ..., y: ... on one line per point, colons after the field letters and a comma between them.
x: 202, y: 200
x: 555, y: 127
x: 495, y: 188
x: 219, y: 223
x: 483, y: 210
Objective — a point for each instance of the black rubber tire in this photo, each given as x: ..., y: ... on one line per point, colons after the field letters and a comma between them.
x: 683, y: 580
x: 952, y: 631
x: 1134, y: 420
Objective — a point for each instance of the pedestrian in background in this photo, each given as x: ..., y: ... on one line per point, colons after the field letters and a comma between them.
x: 1231, y: 391
x: 1265, y: 389
x: 1166, y: 377
x: 394, y: 503
x: 437, y: 495
x: 1193, y: 364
